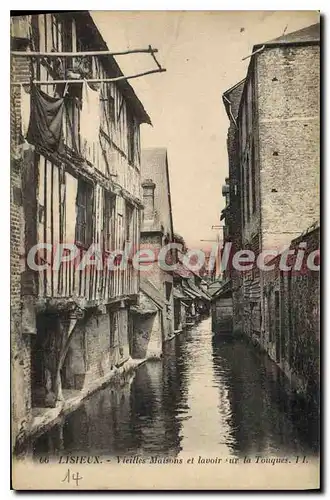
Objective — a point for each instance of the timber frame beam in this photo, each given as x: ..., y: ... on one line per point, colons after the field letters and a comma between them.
x: 83, y: 169
x: 149, y: 50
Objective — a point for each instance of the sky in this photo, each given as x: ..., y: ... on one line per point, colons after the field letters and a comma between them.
x: 202, y: 53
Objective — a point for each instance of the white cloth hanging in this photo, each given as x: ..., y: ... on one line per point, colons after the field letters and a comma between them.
x: 90, y: 122
x: 25, y: 111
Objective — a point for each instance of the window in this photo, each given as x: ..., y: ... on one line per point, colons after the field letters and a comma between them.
x: 111, y: 107
x: 109, y: 203
x: 71, y: 123
x: 128, y: 222
x: 68, y: 34
x: 113, y: 328
x: 50, y: 38
x: 84, y: 208
x: 168, y: 290
x: 56, y: 33
x: 130, y: 138
x: 108, y: 115
x: 255, y: 247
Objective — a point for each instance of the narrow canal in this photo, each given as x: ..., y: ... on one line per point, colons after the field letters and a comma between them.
x: 204, y: 396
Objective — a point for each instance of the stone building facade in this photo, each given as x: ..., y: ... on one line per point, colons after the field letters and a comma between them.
x: 276, y: 149
x: 272, y: 192
x: 70, y: 326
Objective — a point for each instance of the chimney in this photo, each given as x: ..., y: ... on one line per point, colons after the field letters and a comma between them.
x: 148, y: 199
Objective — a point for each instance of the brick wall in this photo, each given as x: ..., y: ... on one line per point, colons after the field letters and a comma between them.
x: 288, y: 108
x: 20, y: 342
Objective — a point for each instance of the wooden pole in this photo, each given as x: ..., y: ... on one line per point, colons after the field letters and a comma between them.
x: 91, y: 80
x: 149, y: 50
x: 154, y: 57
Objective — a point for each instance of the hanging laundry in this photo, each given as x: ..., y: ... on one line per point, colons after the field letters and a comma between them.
x: 25, y: 111
x: 90, y: 122
x: 46, y: 120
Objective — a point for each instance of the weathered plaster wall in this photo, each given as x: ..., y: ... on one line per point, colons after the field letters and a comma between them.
x: 94, y: 350
x: 158, y: 277
x: 147, y: 336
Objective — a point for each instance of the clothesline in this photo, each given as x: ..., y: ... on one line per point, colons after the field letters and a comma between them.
x: 91, y: 80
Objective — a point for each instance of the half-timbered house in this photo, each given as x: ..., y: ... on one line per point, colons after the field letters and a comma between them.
x: 75, y: 193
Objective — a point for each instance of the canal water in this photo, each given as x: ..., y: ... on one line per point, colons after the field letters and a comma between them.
x: 204, y: 396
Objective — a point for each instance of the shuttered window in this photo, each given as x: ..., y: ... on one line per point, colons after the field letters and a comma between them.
x: 56, y: 33
x: 84, y: 209
x: 128, y: 222
x: 113, y: 328
x: 109, y: 221
x: 130, y: 138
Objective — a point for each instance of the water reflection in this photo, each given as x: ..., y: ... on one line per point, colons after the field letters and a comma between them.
x: 261, y: 417
x: 204, y: 397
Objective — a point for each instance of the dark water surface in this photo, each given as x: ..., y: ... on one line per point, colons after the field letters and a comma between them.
x: 205, y: 396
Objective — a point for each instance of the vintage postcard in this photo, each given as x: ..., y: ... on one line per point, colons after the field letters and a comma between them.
x: 165, y: 302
